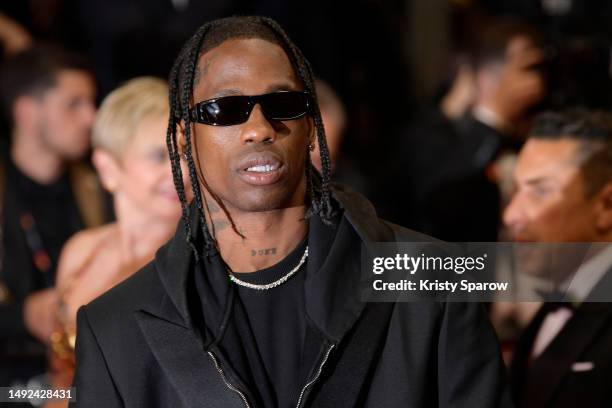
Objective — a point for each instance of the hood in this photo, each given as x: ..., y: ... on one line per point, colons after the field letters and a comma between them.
x: 332, y: 285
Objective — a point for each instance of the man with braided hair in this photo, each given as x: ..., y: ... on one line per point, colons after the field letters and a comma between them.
x: 256, y: 300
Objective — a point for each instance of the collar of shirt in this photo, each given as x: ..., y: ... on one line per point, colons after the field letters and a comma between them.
x: 598, y: 261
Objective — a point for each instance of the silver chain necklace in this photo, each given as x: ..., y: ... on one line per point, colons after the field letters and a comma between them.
x: 274, y: 284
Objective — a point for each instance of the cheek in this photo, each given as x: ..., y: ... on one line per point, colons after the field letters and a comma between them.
x: 298, y: 154
x: 297, y: 142
x: 52, y: 122
x: 68, y: 127
x: 561, y: 221
x: 546, y: 209
x: 550, y: 217
x: 63, y: 117
x: 211, y: 155
x: 140, y: 177
x: 303, y: 131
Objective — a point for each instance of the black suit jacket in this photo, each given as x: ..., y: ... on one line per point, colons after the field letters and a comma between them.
x: 553, y: 379
x: 140, y: 345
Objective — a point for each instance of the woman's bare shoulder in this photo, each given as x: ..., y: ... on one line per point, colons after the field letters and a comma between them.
x: 90, y: 238
x: 80, y: 248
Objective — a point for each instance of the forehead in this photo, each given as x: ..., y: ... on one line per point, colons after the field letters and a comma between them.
x: 72, y: 81
x: 244, y: 67
x: 149, y: 132
x: 73, y: 77
x: 547, y: 158
x: 151, y: 127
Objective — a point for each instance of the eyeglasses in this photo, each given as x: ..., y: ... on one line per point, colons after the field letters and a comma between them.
x: 233, y: 110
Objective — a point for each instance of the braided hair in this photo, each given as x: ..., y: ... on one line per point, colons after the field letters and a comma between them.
x: 181, y: 81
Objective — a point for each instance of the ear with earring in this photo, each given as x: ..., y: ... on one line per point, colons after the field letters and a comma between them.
x: 111, y: 186
x: 181, y: 142
x: 311, y: 146
x: 183, y: 151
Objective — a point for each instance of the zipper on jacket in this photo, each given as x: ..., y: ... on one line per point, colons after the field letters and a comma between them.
x: 315, y: 378
x: 226, y: 381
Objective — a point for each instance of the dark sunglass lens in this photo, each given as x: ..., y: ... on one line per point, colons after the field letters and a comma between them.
x: 284, y: 105
x: 227, y: 111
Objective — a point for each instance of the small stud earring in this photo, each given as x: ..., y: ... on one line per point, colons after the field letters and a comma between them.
x: 184, y: 155
x: 311, y: 146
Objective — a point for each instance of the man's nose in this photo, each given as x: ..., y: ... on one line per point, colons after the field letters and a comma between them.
x: 89, y: 113
x: 513, y: 213
x: 258, y: 129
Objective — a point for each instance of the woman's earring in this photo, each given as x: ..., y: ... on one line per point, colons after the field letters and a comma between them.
x: 311, y: 146
x: 184, y: 155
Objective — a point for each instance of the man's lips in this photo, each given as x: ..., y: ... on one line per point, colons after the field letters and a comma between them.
x: 260, y: 169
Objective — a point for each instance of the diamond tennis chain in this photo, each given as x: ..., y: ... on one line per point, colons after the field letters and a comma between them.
x: 274, y: 284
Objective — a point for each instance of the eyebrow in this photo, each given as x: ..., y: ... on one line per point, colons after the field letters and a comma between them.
x: 272, y: 88
x: 537, y: 180
x: 226, y: 92
x: 282, y: 87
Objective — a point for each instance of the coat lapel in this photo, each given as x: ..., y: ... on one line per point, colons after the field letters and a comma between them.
x: 549, y: 369
x: 522, y: 353
x: 186, y: 364
x: 171, y: 332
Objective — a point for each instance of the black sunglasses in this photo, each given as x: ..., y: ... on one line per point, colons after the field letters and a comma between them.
x: 233, y: 110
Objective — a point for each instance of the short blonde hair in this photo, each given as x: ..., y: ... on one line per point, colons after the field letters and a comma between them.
x: 124, y: 109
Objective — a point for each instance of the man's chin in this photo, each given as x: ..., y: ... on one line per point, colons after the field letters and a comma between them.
x: 260, y: 207
x: 262, y: 202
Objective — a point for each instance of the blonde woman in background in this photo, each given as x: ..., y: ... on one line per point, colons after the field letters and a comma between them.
x: 131, y: 158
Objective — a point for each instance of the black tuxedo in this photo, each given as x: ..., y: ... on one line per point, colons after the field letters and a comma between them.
x: 146, y: 343
x: 575, y: 370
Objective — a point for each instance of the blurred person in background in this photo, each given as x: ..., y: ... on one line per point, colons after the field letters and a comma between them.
x: 564, y: 194
x: 578, y: 46
x: 13, y: 37
x: 343, y: 166
x: 333, y: 115
x: 130, y: 154
x: 442, y: 181
x: 47, y: 194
